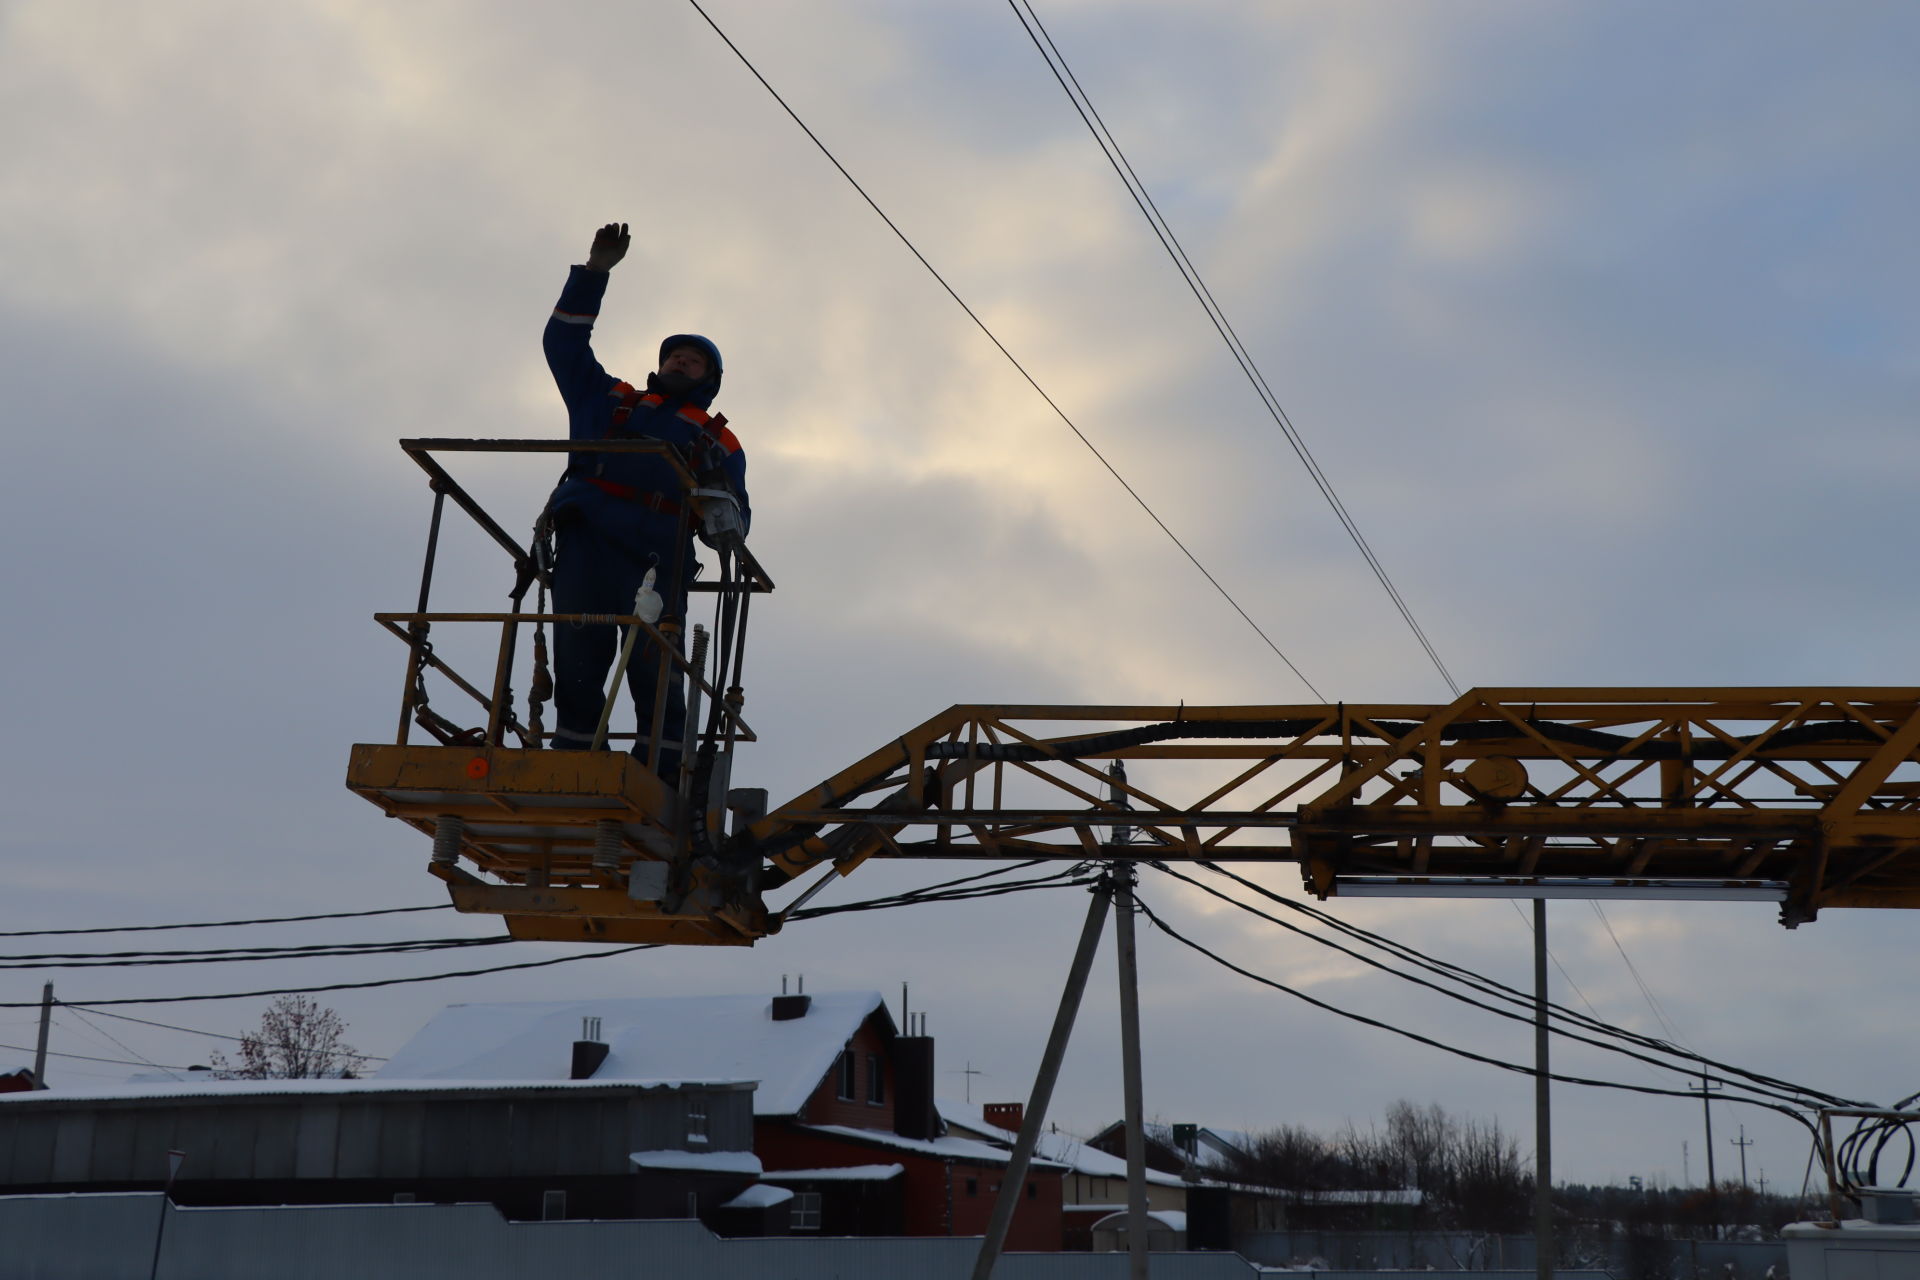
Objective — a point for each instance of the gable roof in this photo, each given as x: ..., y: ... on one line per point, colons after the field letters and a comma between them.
x: 686, y: 1038
x: 1215, y: 1149
x: 1060, y: 1148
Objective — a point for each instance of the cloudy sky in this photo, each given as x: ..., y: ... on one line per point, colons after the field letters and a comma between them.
x: 1599, y: 316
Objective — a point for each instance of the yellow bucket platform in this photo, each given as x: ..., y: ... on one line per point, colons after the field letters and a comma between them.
x: 577, y: 846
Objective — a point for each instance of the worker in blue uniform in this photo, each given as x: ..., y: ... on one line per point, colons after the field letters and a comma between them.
x: 617, y: 516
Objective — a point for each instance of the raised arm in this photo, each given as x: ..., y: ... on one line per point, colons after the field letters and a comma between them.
x: 568, y: 337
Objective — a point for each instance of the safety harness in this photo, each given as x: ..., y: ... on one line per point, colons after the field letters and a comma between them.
x: 709, y: 426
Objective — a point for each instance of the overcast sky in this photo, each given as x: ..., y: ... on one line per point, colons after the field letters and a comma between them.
x: 1599, y: 316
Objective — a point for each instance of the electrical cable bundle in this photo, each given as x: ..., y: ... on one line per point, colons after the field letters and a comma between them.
x: 1856, y: 1157
x: 1788, y: 1099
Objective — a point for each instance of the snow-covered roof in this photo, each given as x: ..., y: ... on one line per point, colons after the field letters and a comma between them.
x: 700, y: 1161
x: 1214, y: 1148
x: 692, y: 1038
x: 1061, y: 1148
x: 1172, y: 1219
x: 165, y: 1076
x: 947, y: 1147
x: 845, y: 1173
x: 759, y: 1196
x: 227, y: 1089
x: 1396, y: 1195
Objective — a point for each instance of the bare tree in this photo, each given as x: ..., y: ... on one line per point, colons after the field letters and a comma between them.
x: 296, y: 1040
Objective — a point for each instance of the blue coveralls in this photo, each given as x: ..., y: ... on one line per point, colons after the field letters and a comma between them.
x: 617, y: 515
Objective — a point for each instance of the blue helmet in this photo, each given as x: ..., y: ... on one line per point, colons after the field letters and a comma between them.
x: 707, y: 390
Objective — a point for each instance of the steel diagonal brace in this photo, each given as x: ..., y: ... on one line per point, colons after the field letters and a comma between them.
x: 1395, y: 749
x: 1840, y: 817
x: 793, y: 846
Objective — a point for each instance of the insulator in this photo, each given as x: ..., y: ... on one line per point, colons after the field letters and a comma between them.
x: 609, y: 845
x: 449, y: 831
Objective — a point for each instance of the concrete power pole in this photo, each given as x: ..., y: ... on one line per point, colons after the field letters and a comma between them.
x: 1706, y: 1088
x: 1542, y: 1104
x: 40, y: 1050
x: 1129, y: 956
x: 1742, y: 1142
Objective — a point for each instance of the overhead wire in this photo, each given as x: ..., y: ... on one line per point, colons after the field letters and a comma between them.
x: 168, y: 1026
x: 907, y: 899
x: 1110, y: 147
x: 352, y: 986
x: 1485, y: 1059
x: 1646, y: 992
x: 1500, y: 990
x: 1020, y: 368
x: 148, y: 1022
x: 224, y: 924
x: 82, y: 1057
x: 1063, y: 879
x: 1562, y: 969
x: 120, y: 1044
x: 1783, y: 1091
x: 137, y: 959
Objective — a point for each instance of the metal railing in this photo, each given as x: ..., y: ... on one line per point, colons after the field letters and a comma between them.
x: 741, y: 576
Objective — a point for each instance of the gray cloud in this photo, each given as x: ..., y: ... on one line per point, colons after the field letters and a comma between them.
x: 1598, y: 316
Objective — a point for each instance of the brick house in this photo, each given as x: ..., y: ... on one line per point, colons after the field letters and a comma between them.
x: 844, y: 1114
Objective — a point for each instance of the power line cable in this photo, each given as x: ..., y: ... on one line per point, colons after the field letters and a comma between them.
x: 1457, y: 1051
x: 873, y: 904
x: 316, y: 953
x: 1059, y: 880
x: 192, y: 1031
x: 264, y: 953
x: 1500, y: 990
x: 1020, y: 368
x: 147, y: 1022
x: 122, y: 1045
x: 81, y: 1057
x: 1110, y: 147
x: 224, y: 924
x: 1788, y: 1093
x: 353, y: 986
x: 1564, y: 975
x: 1646, y: 992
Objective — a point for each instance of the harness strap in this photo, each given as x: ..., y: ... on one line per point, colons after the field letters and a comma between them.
x: 652, y: 500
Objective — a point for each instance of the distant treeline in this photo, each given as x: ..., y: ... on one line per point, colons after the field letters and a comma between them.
x: 1473, y: 1177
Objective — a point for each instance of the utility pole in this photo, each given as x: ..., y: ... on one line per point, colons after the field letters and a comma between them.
x: 40, y: 1050
x: 1043, y: 1081
x: 1742, y: 1142
x: 1542, y: 1104
x: 1686, y: 1165
x: 1129, y: 956
x: 1706, y: 1088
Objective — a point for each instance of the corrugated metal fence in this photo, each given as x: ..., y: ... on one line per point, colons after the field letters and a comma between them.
x: 108, y: 1236
x: 1632, y: 1258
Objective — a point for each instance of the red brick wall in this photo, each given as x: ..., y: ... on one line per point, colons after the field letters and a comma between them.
x: 1038, y: 1224
x: 825, y: 1106
x: 937, y: 1201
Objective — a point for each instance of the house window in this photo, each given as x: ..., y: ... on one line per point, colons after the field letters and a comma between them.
x: 973, y: 1186
x: 845, y: 1083
x: 697, y: 1121
x: 876, y: 1080
x: 1033, y: 1192
x: 553, y: 1206
x: 806, y: 1211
